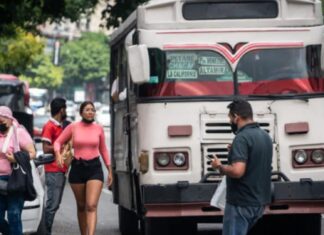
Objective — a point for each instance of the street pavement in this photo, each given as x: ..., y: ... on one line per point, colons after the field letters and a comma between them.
x: 66, y: 221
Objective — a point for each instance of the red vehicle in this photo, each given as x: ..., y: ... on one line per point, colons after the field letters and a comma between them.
x: 15, y: 94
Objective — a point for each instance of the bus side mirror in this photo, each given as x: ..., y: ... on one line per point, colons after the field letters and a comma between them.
x: 139, y: 63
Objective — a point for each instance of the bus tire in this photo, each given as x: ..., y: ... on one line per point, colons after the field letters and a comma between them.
x: 293, y: 224
x: 157, y: 226
x: 176, y: 226
x: 128, y: 222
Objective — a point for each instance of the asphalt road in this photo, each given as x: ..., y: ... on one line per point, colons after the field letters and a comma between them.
x: 66, y: 220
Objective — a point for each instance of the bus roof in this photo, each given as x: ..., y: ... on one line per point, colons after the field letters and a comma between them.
x: 172, y: 15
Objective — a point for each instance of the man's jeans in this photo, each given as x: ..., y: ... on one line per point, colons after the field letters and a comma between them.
x: 239, y: 220
x: 14, y: 205
x: 55, y: 182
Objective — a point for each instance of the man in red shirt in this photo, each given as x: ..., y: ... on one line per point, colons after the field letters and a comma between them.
x: 54, y: 175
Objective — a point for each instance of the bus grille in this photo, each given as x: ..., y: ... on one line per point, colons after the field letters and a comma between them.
x: 216, y: 134
x: 217, y: 127
x: 210, y: 150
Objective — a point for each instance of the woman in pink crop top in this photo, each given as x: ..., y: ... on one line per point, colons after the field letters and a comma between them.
x: 86, y: 175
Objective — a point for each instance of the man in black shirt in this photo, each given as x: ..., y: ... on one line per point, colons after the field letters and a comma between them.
x: 248, y: 171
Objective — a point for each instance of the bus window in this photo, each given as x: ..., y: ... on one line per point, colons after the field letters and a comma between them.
x: 188, y: 73
x: 230, y: 10
x: 279, y: 71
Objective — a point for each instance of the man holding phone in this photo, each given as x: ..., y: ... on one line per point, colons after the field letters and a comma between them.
x: 248, y: 171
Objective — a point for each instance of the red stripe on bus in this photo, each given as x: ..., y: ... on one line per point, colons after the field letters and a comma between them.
x: 228, y: 54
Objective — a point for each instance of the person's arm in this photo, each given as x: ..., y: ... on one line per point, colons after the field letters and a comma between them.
x: 114, y: 90
x: 31, y: 150
x: 26, y: 142
x: 104, y: 153
x: 47, y: 147
x: 64, y: 137
x: 235, y: 170
x: 238, y: 152
x: 47, y: 138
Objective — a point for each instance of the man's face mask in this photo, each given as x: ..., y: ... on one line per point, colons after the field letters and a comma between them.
x: 64, y: 116
x: 234, y: 125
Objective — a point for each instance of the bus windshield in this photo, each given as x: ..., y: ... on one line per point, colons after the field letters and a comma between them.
x: 259, y: 72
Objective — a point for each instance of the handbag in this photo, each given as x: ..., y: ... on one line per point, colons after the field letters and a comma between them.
x: 18, y: 180
x: 219, y: 198
x: 67, y: 154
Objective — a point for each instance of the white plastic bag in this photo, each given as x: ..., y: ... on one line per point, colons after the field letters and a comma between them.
x: 219, y: 198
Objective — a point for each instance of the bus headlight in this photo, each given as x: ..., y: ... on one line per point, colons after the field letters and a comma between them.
x: 317, y: 156
x: 163, y: 159
x: 300, y: 156
x: 179, y: 159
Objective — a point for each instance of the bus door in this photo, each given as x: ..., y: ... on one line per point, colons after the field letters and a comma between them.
x: 124, y: 137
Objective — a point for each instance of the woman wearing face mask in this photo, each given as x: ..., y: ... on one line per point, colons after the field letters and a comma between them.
x: 19, y: 139
x: 86, y: 175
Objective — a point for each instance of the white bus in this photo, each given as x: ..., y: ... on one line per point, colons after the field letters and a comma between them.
x: 182, y: 63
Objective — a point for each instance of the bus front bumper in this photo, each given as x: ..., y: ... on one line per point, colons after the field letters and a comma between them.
x: 191, y: 200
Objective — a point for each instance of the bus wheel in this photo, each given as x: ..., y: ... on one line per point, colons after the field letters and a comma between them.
x: 162, y: 226
x: 294, y: 224
x: 184, y: 227
x: 128, y: 222
x: 156, y: 227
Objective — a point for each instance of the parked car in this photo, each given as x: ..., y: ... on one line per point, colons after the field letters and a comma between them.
x: 15, y: 94
x: 103, y: 116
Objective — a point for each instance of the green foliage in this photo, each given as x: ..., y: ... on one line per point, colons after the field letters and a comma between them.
x: 43, y: 74
x: 85, y: 59
x: 18, y: 52
x: 119, y: 11
x: 28, y: 14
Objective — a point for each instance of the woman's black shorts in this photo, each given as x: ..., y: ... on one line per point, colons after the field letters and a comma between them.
x: 83, y: 170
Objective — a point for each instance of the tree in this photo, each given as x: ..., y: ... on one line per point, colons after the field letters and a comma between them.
x: 85, y: 59
x: 17, y: 52
x: 43, y: 74
x: 119, y: 11
x: 28, y: 14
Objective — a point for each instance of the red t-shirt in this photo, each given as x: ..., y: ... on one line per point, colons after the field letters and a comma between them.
x: 51, y: 131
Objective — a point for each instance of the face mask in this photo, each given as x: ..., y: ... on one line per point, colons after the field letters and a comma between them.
x: 87, y: 121
x: 234, y: 128
x: 63, y: 117
x: 3, y: 127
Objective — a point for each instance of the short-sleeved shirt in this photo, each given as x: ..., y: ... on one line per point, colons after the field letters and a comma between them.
x: 253, y: 146
x: 24, y: 140
x: 51, y: 131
